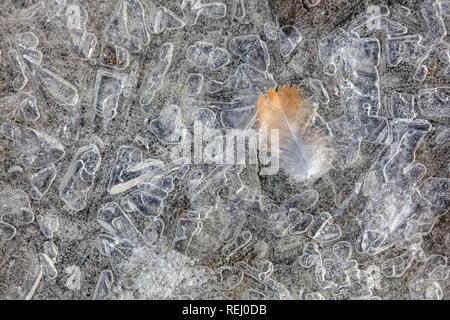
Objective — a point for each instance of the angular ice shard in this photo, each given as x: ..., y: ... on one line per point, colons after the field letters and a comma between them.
x: 236, y: 103
x: 420, y: 73
x: 312, y: 295
x: 117, y: 223
x: 146, y: 204
x: 48, y: 224
x: 14, y: 203
x: 7, y: 231
x: 272, y: 288
x: 127, y: 26
x: 402, y: 105
x: 376, y: 19
x: 271, y: 31
x: 303, y: 201
x: 324, y: 231
x: 130, y: 80
x: 103, y: 286
x: 163, y: 19
x: 252, y: 50
x: 310, y: 256
x: 70, y: 19
x: 277, y: 219
x: 289, y: 38
x: 193, y: 84
x: 397, y: 266
x: 161, y: 181
x: 337, y: 271
x: 168, y: 127
x: 400, y: 166
x: 425, y: 285
x: 238, y: 9
x: 404, y: 11
x: 434, y: 102
x: 443, y: 136
x: 73, y: 282
x: 246, y: 80
x: 320, y: 93
x: 26, y: 44
x: 393, y: 27
x: 27, y: 9
x: 238, y: 243
x: 434, y: 191
x: 372, y: 17
x: 199, y: 53
x: 203, y: 190
x: 21, y: 106
x: 41, y: 181
x: 213, y: 86
x: 218, y: 58
x: 186, y: 229
x: 107, y: 90
x: 153, y: 231
x: 355, y: 63
x: 404, y: 48
x: 299, y: 222
x: 62, y: 91
x: 337, y: 46
x: 340, y: 272
x: 79, y: 177
x: 122, y: 58
x: 444, y: 56
x: 50, y: 250
x: 228, y: 278
x: 252, y: 294
x: 21, y: 80
x: 15, y: 169
x: 239, y: 118
x: 396, y: 214
x: 312, y: 3
x: 156, y: 77
x: 40, y: 266
x: 129, y: 169
x: 109, y: 246
x: 37, y: 149
x: 213, y: 152
x: 193, y: 8
x: 436, y: 30
x: 400, y: 127
x: 290, y: 218
x: 236, y: 114
x: 235, y: 222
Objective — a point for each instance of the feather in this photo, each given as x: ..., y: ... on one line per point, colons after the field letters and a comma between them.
x: 303, y: 151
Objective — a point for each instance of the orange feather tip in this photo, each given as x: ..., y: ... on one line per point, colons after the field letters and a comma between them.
x: 303, y: 153
x: 289, y: 100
